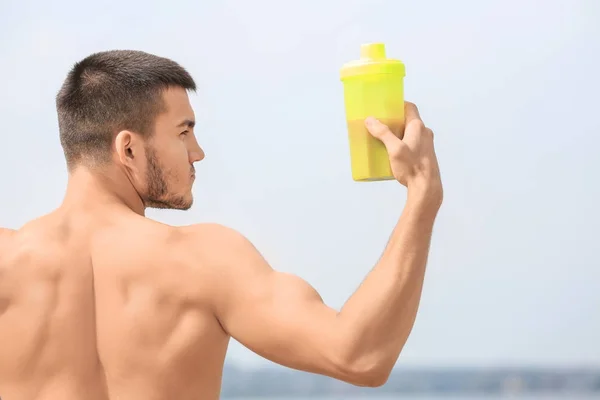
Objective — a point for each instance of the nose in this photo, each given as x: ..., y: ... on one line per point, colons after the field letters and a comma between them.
x: 196, y: 153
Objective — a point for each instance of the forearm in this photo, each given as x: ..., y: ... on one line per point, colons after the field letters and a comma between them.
x: 376, y: 321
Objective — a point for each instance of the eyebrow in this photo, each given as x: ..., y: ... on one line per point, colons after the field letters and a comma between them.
x: 187, y: 123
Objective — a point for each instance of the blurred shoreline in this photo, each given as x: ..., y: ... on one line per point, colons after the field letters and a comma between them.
x: 494, y: 381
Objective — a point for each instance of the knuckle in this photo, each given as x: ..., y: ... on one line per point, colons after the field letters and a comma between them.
x: 418, y: 125
x: 383, y: 131
x: 412, y: 106
x: 377, y: 132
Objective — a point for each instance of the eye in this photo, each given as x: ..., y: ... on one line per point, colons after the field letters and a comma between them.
x: 184, y: 133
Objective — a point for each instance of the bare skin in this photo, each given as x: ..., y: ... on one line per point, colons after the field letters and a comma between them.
x: 98, y: 302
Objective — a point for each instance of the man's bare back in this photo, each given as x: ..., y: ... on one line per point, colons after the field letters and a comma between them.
x: 98, y: 302
x: 97, y: 307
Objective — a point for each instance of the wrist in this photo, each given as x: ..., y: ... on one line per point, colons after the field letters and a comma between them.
x: 425, y: 195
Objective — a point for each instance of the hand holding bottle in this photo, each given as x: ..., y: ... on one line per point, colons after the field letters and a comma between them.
x: 412, y: 159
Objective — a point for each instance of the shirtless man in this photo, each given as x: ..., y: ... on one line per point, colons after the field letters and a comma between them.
x: 98, y: 302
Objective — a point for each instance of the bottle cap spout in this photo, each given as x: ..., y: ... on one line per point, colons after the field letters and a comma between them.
x: 372, y: 61
x: 374, y: 51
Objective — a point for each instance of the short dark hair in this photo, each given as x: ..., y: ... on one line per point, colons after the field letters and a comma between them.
x: 110, y: 91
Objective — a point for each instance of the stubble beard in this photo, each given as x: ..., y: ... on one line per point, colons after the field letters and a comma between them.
x: 157, y: 192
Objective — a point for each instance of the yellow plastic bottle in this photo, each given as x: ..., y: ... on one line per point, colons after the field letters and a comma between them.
x: 373, y: 86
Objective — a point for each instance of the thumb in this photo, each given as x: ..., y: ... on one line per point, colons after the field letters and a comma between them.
x: 381, y: 131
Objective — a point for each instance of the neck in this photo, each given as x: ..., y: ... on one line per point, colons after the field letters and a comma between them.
x: 102, y: 187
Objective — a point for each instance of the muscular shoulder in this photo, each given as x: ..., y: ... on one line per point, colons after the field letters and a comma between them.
x: 6, y: 247
x: 212, y: 240
x: 219, y: 247
x: 210, y: 234
x: 4, y: 232
x: 227, y: 263
x: 6, y: 236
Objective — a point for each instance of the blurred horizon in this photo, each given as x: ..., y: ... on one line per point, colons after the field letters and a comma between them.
x: 486, y: 382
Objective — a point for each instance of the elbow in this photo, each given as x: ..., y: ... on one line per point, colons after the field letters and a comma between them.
x: 363, y: 362
x: 370, y: 380
x: 366, y: 372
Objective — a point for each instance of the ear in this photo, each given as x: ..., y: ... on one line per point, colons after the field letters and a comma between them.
x: 129, y: 148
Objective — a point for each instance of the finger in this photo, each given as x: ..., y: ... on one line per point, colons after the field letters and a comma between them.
x: 411, y: 112
x: 382, y: 132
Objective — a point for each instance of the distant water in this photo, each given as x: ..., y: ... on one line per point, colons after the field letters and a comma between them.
x: 465, y: 397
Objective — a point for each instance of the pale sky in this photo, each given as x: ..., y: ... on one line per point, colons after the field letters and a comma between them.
x: 510, y: 87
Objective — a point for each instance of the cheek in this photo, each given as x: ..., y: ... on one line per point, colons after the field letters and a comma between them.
x: 176, y: 152
x: 179, y: 161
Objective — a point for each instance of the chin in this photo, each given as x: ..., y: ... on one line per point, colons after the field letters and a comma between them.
x: 182, y: 203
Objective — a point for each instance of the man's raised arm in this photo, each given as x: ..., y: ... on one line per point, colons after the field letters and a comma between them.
x: 282, y: 318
